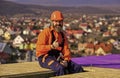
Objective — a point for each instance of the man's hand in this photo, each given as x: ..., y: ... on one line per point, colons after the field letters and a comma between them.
x: 55, y: 44
x: 64, y: 63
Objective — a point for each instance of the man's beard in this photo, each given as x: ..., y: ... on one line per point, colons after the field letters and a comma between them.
x: 58, y: 28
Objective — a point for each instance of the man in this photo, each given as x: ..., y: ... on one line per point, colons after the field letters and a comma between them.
x: 52, y: 48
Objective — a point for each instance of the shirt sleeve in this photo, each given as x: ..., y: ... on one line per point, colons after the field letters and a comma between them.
x: 42, y: 42
x: 66, y: 51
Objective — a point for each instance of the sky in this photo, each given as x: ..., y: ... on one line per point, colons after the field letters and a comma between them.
x: 69, y: 2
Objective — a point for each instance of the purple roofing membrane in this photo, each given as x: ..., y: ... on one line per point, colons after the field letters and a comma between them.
x: 108, y: 61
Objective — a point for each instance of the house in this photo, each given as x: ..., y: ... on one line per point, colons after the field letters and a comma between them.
x: 108, y: 47
x: 103, y: 48
x: 35, y: 32
x: 7, y: 35
x: 106, y: 34
x: 118, y: 31
x: 1, y: 31
x: 78, y: 33
x: 68, y: 33
x: 83, y: 26
x: 26, y: 32
x: 81, y: 46
x: 89, y: 49
x: 116, y: 44
x: 5, y: 52
x: 99, y: 50
x: 17, y: 41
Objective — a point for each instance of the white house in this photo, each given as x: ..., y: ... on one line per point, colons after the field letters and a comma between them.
x: 18, y: 40
x: 83, y: 26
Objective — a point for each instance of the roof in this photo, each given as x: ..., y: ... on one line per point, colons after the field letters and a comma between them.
x: 75, y: 31
x: 2, y: 46
x: 5, y: 48
x: 84, y: 24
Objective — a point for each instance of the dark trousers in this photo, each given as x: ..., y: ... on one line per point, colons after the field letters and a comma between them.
x: 58, y: 68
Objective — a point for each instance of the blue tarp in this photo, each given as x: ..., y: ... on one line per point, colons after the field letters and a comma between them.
x: 108, y: 61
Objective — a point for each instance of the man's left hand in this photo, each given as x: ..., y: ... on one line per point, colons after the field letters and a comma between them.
x: 64, y: 63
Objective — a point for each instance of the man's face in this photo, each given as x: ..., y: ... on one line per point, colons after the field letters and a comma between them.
x: 58, y: 25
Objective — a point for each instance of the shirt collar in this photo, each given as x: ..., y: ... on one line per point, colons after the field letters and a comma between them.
x: 51, y: 28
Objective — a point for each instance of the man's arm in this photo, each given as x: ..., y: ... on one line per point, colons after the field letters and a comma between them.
x: 42, y: 43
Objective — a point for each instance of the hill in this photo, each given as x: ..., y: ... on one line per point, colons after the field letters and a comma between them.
x: 12, y: 8
x: 69, y: 2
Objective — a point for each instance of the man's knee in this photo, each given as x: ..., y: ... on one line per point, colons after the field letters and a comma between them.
x: 79, y: 68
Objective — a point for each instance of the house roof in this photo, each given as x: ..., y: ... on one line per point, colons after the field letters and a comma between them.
x: 19, y: 37
x: 2, y: 46
x: 5, y: 48
x: 90, y: 45
x: 105, y: 47
x: 74, y: 31
x: 84, y: 24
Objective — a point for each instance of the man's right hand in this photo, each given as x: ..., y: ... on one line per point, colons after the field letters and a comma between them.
x: 55, y: 44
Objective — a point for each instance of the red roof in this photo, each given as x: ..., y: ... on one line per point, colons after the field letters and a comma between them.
x: 36, y: 31
x: 84, y: 24
x: 90, y: 45
x: 105, y: 47
x: 74, y: 31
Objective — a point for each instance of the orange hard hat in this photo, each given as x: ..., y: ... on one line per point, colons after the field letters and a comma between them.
x: 56, y: 15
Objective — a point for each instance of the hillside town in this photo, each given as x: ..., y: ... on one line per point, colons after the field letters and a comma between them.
x: 87, y: 35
